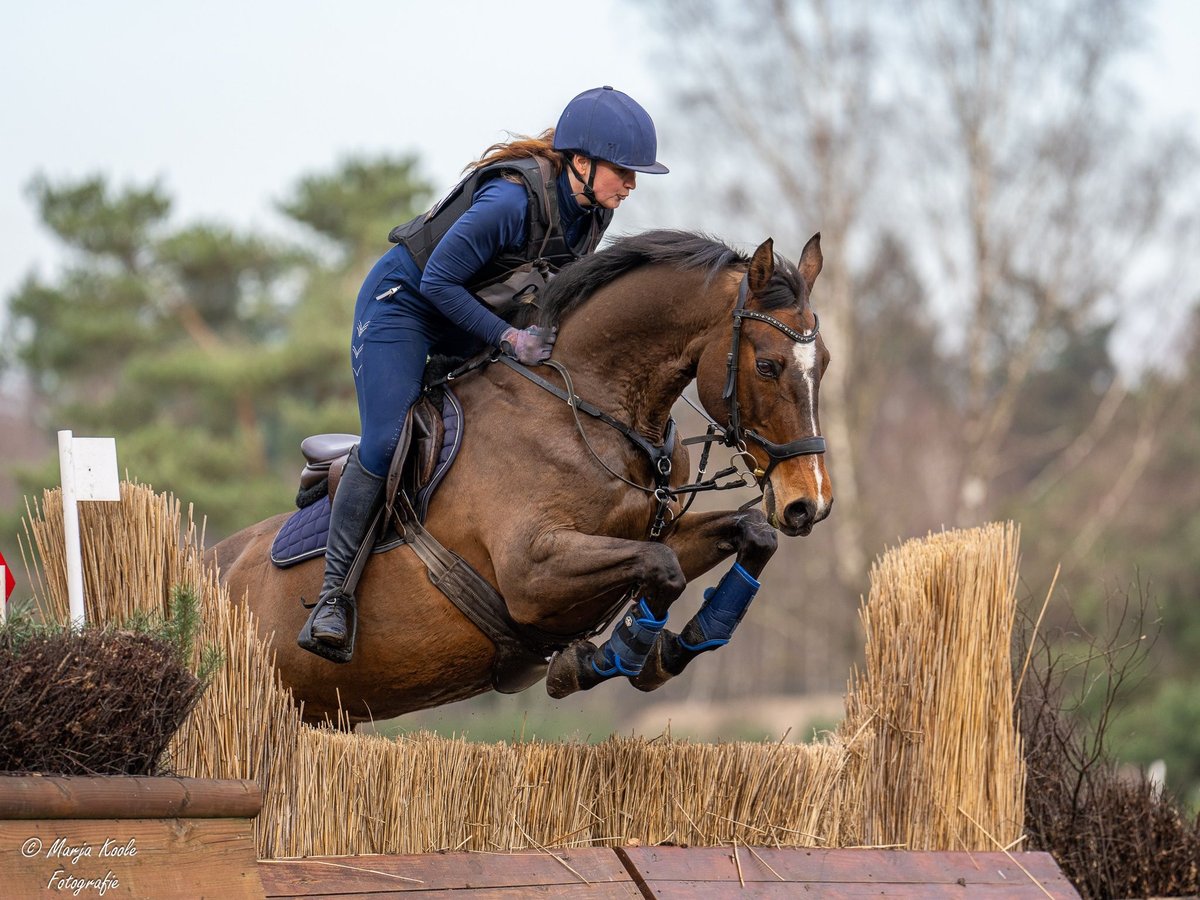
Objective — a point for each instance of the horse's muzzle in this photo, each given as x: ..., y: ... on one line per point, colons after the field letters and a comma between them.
x: 800, y: 516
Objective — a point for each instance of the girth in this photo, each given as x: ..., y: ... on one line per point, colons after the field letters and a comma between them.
x: 521, y: 650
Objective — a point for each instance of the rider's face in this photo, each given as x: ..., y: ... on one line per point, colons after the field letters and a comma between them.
x: 612, y: 183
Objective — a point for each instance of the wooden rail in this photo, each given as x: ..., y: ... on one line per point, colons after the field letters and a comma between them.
x: 673, y: 872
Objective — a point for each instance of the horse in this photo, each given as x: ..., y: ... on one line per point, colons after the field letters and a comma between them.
x: 567, y: 516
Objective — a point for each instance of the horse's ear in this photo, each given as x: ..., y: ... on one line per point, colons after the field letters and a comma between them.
x: 762, y: 266
x: 810, y: 261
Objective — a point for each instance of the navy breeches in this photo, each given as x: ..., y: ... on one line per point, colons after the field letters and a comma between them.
x: 389, y: 345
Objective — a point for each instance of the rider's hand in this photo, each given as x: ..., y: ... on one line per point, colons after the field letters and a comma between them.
x: 531, y: 346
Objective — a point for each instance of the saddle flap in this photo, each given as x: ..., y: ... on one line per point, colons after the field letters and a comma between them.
x: 432, y: 436
x: 429, y: 433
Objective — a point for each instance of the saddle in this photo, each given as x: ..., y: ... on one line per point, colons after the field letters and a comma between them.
x: 436, y: 437
x: 436, y: 426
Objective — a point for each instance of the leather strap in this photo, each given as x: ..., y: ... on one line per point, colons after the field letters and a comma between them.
x: 521, y: 650
x: 653, y: 451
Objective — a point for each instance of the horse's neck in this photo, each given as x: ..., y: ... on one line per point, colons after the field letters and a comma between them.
x: 633, y: 348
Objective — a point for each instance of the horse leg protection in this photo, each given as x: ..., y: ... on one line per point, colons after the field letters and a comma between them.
x: 332, y: 626
x: 583, y: 665
x: 724, y: 606
x: 625, y: 652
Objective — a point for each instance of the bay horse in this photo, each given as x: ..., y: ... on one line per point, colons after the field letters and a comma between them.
x: 555, y: 510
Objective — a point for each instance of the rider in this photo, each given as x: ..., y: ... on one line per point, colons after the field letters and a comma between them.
x: 542, y: 201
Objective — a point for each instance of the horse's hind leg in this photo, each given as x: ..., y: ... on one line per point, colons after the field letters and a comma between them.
x: 703, y: 545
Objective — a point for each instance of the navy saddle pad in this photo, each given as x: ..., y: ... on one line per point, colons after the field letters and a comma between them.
x: 306, y: 531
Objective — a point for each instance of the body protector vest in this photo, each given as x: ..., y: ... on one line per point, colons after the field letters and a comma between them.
x: 510, y: 277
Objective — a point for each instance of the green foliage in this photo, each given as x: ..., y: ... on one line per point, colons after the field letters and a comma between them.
x: 23, y: 626
x: 1165, y: 724
x: 208, y: 352
x: 356, y: 205
x: 1111, y: 830
x: 97, y: 700
x: 179, y: 629
x: 86, y: 216
x: 1152, y: 535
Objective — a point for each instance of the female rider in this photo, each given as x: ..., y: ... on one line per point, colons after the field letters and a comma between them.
x: 526, y: 207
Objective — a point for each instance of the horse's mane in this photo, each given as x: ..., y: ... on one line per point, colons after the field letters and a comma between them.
x: 685, y: 250
x: 571, y: 288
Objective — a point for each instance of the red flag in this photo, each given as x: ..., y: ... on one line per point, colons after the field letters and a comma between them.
x: 9, y: 581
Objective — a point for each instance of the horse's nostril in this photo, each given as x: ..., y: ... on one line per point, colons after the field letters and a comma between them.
x: 799, y: 513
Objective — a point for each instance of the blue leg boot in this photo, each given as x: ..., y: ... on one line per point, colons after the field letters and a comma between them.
x: 583, y: 665
x: 625, y: 652
x: 724, y: 606
x: 723, y: 609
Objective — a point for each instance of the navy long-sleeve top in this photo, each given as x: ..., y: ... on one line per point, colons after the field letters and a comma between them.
x: 494, y: 223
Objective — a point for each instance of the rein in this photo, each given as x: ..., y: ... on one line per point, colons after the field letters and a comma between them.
x: 659, y: 455
x: 733, y: 435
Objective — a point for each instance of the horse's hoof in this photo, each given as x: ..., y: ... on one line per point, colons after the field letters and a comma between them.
x: 662, y: 664
x: 651, y: 678
x: 571, y: 670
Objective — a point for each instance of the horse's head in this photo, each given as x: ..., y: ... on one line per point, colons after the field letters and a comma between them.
x: 766, y: 381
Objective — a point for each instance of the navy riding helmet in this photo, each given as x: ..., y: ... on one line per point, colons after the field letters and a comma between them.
x: 607, y: 124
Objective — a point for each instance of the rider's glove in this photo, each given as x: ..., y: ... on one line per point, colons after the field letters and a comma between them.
x: 531, y: 346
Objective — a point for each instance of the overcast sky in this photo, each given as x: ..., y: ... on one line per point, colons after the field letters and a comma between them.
x: 229, y: 103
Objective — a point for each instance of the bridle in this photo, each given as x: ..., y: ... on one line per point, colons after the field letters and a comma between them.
x: 733, y: 435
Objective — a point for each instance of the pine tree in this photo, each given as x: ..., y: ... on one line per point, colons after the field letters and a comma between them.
x: 209, y: 353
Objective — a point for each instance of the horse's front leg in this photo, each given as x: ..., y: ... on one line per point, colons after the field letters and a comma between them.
x: 701, y: 542
x: 570, y: 571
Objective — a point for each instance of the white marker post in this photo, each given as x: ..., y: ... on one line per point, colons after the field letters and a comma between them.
x: 89, y: 472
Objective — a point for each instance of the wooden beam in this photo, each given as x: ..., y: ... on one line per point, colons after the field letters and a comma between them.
x: 127, y: 797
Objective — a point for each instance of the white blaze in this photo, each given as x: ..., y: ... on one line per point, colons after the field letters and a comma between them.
x: 806, y: 362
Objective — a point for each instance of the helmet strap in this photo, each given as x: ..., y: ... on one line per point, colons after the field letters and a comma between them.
x: 587, y: 192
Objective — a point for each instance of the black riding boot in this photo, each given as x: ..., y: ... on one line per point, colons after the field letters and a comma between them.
x: 329, y: 631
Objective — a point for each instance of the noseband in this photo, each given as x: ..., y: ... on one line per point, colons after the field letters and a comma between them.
x: 735, y: 433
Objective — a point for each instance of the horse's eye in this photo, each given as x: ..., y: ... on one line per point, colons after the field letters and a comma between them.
x: 768, y: 368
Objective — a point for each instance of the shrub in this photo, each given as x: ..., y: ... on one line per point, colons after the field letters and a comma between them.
x: 1112, y: 835
x: 98, y: 701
